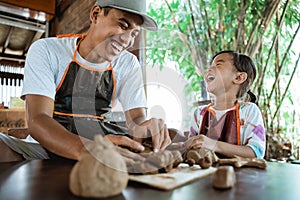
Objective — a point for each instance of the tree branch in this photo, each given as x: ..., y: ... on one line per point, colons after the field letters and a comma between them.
x: 265, y: 22
x: 262, y: 75
x: 286, y: 89
x: 282, y: 62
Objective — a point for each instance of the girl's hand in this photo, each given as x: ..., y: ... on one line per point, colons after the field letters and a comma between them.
x: 201, y: 141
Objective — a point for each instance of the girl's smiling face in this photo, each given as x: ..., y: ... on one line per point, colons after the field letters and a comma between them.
x: 220, y: 76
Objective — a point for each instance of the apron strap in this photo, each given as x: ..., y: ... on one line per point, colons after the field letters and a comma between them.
x: 238, y: 123
x: 76, y: 49
x: 79, y: 115
x: 70, y: 35
x: 205, y: 121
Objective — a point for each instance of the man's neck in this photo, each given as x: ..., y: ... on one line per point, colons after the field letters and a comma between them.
x: 86, y: 51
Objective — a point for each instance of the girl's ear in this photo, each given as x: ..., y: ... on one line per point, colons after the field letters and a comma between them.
x: 94, y: 13
x: 240, y: 78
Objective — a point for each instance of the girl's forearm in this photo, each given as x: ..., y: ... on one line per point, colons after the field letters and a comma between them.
x: 231, y: 150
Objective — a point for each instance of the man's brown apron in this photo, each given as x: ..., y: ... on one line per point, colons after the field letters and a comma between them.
x: 84, y: 99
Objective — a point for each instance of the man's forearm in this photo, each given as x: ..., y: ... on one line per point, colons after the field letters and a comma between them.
x: 54, y: 137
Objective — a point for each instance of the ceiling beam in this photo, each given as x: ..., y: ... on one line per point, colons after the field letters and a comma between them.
x: 20, y: 24
x: 7, y: 39
x: 12, y: 63
x: 38, y: 5
x: 12, y: 57
x: 34, y: 37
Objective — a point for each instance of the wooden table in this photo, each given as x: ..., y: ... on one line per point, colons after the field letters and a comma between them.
x: 49, y: 179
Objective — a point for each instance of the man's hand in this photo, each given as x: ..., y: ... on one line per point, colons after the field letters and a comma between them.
x: 154, y: 128
x: 121, y: 140
x: 141, y: 129
x: 128, y: 155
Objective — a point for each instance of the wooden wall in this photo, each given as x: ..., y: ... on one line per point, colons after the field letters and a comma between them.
x: 72, y: 16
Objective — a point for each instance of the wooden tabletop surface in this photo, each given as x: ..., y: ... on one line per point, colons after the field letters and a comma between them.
x: 49, y: 179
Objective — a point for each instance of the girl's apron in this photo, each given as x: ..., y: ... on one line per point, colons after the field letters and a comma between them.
x: 226, y: 129
x: 84, y: 99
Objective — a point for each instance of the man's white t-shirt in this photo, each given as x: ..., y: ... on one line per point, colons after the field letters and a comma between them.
x: 48, y: 58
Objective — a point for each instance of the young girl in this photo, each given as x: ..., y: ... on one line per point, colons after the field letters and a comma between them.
x: 229, y: 126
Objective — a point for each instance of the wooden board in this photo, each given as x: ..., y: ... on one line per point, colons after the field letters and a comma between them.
x: 179, y: 176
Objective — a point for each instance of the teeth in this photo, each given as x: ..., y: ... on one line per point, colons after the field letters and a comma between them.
x: 115, y: 45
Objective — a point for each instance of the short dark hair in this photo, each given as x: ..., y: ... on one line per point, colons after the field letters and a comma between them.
x: 242, y: 63
x: 106, y: 10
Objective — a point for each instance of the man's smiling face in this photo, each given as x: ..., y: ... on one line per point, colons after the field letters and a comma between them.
x: 114, y: 32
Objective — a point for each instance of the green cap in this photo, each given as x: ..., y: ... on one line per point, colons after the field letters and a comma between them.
x: 132, y: 6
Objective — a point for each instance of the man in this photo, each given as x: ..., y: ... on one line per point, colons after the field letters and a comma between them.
x: 70, y: 84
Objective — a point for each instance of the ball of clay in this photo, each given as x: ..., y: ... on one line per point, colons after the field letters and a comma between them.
x: 224, y: 177
x: 190, y: 162
x: 205, y: 162
x: 101, y: 171
x: 139, y: 168
x: 193, y: 154
x: 177, y: 158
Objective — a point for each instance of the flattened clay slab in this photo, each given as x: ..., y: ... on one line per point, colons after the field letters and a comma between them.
x: 179, y: 176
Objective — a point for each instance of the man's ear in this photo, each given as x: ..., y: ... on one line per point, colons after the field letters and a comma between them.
x: 94, y: 13
x: 240, y: 78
